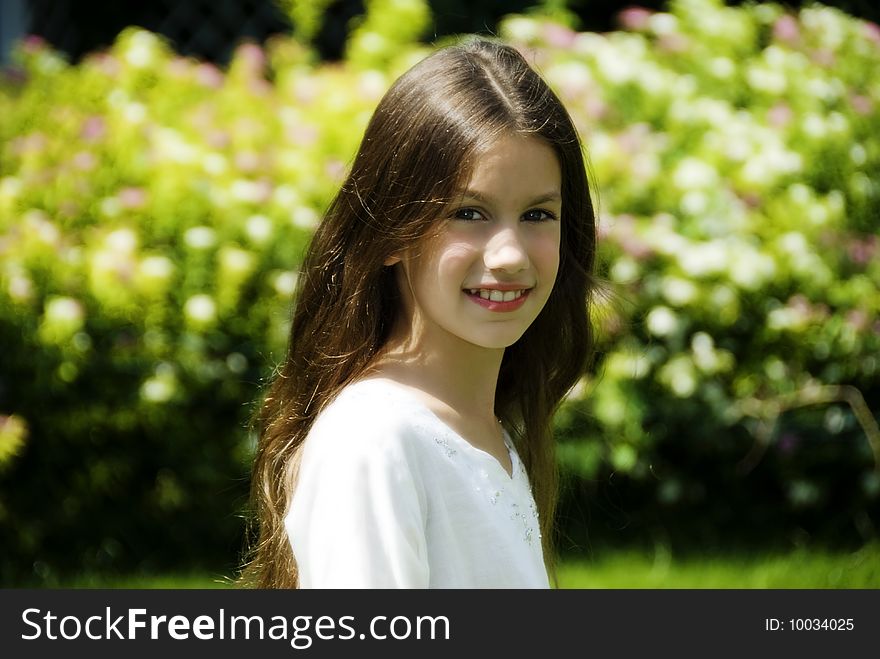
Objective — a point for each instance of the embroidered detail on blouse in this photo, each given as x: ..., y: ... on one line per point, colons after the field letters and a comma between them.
x: 526, y: 522
x: 442, y: 441
x: 528, y: 519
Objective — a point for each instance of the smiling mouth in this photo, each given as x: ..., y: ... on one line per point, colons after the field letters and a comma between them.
x: 495, y: 295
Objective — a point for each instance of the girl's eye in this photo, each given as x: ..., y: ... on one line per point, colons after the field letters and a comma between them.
x: 469, y: 214
x: 538, y: 215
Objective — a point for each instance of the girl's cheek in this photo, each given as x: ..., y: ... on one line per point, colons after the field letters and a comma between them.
x: 546, y: 246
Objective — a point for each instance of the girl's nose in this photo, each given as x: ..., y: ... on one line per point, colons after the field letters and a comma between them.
x: 505, y: 250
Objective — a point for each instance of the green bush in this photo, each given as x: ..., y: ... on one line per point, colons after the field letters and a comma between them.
x: 737, y: 158
x: 153, y: 212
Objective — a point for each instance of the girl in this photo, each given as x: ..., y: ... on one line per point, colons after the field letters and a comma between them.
x: 441, y: 316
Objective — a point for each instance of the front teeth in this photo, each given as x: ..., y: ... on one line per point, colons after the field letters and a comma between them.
x: 496, y: 296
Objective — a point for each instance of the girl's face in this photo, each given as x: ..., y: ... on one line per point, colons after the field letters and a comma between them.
x: 487, y: 275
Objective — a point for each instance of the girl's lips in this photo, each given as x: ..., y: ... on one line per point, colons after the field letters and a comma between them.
x: 492, y: 305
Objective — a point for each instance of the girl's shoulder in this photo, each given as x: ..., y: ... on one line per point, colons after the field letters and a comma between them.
x: 368, y: 415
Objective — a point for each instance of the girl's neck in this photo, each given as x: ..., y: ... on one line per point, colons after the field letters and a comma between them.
x: 460, y: 376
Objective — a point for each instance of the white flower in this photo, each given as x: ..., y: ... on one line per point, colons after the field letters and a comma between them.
x: 372, y: 43
x: 246, y: 191
x: 827, y: 24
x: 694, y: 202
x: 110, y: 207
x: 200, y: 309
x: 134, y: 113
x: 142, y: 50
x: 679, y: 376
x: 20, y: 288
x: 722, y: 67
x: 372, y: 85
x: 679, y: 292
x: 627, y: 365
x: 10, y: 188
x: 694, y: 173
x: 814, y: 126
x: 258, y: 228
x: 285, y: 196
x: 703, y: 259
x: 200, y: 237
x: 304, y: 217
x: 794, y: 243
x: 157, y: 267
x: 764, y: 79
x: 786, y: 318
x: 157, y: 390
x: 521, y: 29
x: 725, y: 304
x: 624, y: 270
x: 614, y: 68
x: 663, y: 23
x: 64, y: 310
x: 172, y: 146
x: 62, y: 318
x: 236, y: 261
x: 799, y: 193
x: 121, y: 241
x: 662, y: 321
x: 285, y: 283
x: 214, y: 164
x: 706, y: 357
x: 750, y: 269
x: 858, y: 154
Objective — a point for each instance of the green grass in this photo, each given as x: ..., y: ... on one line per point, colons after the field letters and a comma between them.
x: 152, y: 581
x: 803, y: 568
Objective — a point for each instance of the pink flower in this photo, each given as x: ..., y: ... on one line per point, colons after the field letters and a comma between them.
x: 209, y: 75
x: 105, y: 63
x: 33, y: 44
x: 862, y: 251
x: 178, y: 67
x: 861, y: 104
x: 302, y: 134
x: 779, y: 115
x: 673, y: 43
x: 29, y: 144
x: 334, y: 169
x: 93, y: 129
x: 559, y: 36
x: 132, y: 197
x: 857, y: 319
x: 596, y: 108
x: 633, y: 139
x: 218, y: 139
x: 253, y: 58
x: 634, y: 18
x: 14, y: 75
x: 247, y: 161
x: 872, y: 31
x: 824, y: 58
x: 787, y: 29
x: 85, y: 161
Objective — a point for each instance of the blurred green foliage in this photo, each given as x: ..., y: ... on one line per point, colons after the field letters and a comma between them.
x: 154, y: 209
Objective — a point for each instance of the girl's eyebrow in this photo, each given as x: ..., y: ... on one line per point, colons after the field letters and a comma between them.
x: 540, y: 199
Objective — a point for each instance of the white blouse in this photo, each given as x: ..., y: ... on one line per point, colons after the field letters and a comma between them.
x: 389, y: 496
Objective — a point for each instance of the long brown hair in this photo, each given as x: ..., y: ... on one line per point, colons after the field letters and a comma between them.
x: 412, y: 161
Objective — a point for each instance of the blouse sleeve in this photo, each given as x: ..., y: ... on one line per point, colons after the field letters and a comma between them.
x: 356, y: 518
